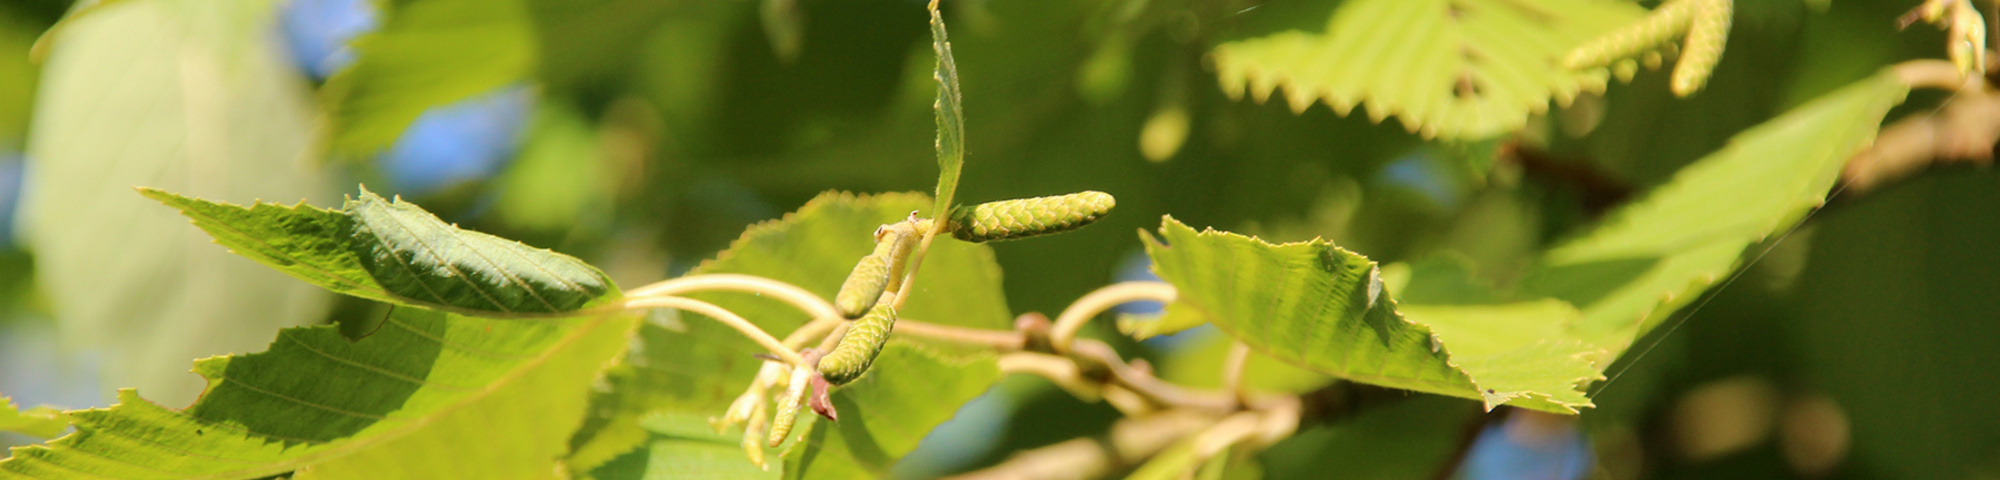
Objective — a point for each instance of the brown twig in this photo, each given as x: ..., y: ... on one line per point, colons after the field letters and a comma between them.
x: 1964, y: 130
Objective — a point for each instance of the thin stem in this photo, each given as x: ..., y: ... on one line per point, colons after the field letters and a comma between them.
x: 811, y: 331
x: 827, y: 343
x: 806, y: 301
x: 1058, y: 370
x: 1006, y: 341
x: 1232, y: 366
x: 917, y: 259
x: 1225, y: 433
x: 1938, y: 74
x: 1072, y: 319
x: 727, y: 318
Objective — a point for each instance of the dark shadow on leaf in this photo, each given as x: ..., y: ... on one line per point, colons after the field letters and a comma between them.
x: 315, y: 385
x: 1582, y: 284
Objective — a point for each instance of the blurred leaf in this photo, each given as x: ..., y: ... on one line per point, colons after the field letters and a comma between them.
x: 1324, y: 308
x: 1176, y: 462
x: 680, y: 445
x: 398, y: 253
x: 1463, y: 69
x: 1199, y: 364
x: 950, y: 118
x: 1655, y: 255
x: 497, y: 396
x: 39, y: 422
x: 1407, y: 440
x: 686, y: 362
x: 1174, y: 319
x: 561, y: 178
x: 187, y: 95
x: 17, y: 81
x: 428, y: 53
x: 911, y: 390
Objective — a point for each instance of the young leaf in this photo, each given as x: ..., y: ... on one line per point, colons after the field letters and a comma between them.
x: 1326, y: 309
x: 497, y: 396
x: 428, y: 53
x: 1651, y: 257
x: 40, y: 422
x: 396, y: 252
x: 1458, y: 69
x: 950, y: 118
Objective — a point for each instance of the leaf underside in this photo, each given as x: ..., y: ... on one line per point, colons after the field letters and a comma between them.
x: 396, y: 252
x: 1455, y: 69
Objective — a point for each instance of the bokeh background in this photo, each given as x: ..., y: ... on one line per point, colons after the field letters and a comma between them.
x: 644, y: 135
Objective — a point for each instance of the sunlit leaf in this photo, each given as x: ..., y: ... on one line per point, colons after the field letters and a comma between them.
x: 496, y: 396
x: 396, y: 252
x: 42, y: 422
x: 1651, y: 257
x: 1326, y: 309
x: 682, y: 445
x: 188, y: 95
x: 1457, y: 69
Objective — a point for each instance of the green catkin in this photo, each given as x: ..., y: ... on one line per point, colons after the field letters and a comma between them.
x: 857, y: 349
x: 873, y: 273
x: 1703, y: 48
x: 1027, y: 217
x: 1666, y: 22
x: 788, y: 406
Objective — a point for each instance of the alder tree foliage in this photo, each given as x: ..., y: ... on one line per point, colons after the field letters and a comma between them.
x: 1522, y: 244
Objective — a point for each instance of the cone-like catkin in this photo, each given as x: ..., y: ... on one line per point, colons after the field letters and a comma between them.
x: 857, y: 349
x: 1703, y: 48
x: 1027, y: 217
x: 872, y: 274
x: 1668, y: 21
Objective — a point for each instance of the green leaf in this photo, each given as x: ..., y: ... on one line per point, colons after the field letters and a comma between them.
x: 1174, y: 319
x: 680, y: 444
x: 428, y: 53
x: 1199, y: 364
x: 396, y: 252
x: 496, y: 396
x: 885, y: 413
x: 1651, y: 257
x: 1405, y: 440
x: 1325, y: 308
x: 690, y: 363
x: 39, y: 422
x: 950, y: 118
x: 190, y: 95
x: 1457, y: 69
